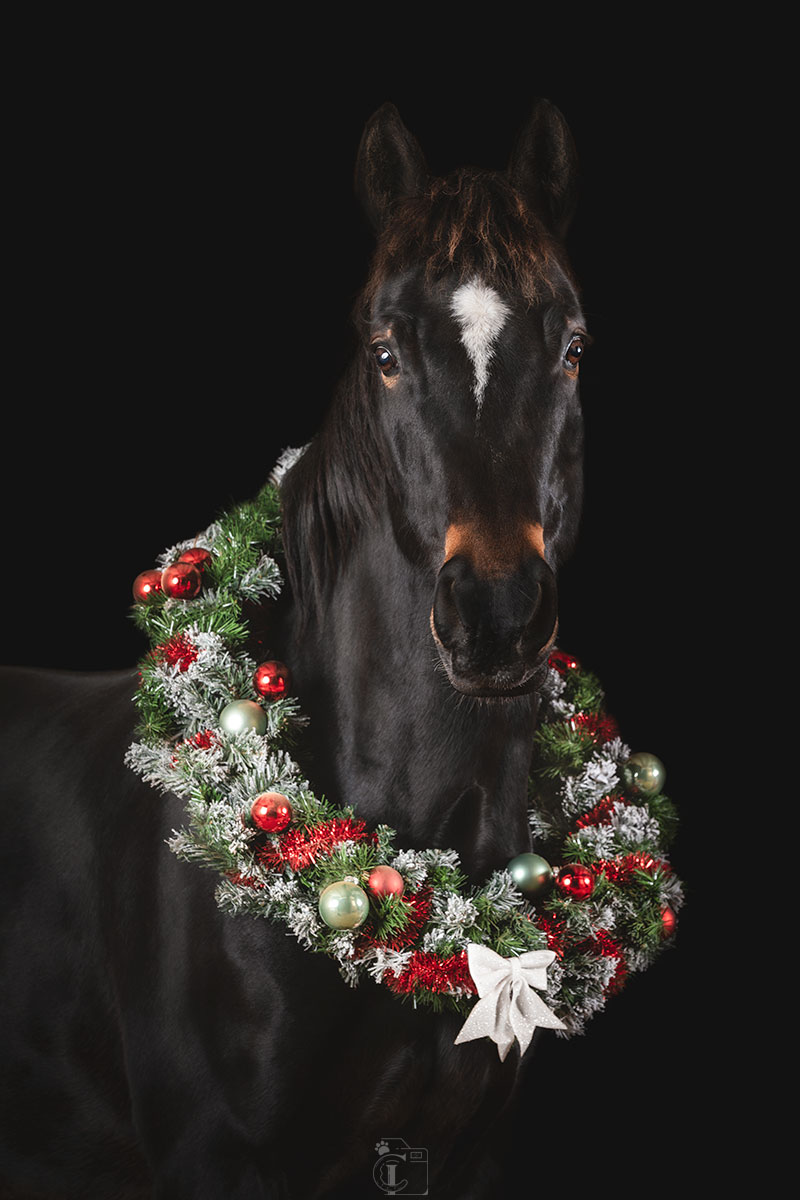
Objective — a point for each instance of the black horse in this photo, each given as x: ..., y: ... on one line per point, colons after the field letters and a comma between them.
x: 155, y: 1047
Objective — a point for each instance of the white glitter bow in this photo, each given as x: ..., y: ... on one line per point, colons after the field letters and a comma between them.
x: 508, y: 1007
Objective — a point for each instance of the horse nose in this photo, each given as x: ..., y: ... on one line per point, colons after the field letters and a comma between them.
x: 494, y: 623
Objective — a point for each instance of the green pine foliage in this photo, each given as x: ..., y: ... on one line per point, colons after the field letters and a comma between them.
x: 389, y: 917
x: 584, y: 692
x: 157, y: 720
x: 559, y: 750
x: 665, y: 812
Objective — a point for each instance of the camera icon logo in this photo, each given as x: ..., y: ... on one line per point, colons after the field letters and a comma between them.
x: 401, y: 1170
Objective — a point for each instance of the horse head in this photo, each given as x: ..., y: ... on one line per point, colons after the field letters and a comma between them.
x: 472, y: 340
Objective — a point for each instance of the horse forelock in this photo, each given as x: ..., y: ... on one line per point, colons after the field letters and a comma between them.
x: 470, y: 224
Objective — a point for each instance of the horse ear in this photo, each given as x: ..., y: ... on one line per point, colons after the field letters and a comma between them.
x: 544, y: 167
x: 390, y: 165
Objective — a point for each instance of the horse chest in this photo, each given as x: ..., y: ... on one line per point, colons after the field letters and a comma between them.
x: 367, y: 1069
x: 242, y: 1031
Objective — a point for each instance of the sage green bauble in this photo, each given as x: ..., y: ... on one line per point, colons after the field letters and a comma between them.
x: 644, y: 774
x: 531, y: 873
x: 344, y: 905
x: 241, y: 715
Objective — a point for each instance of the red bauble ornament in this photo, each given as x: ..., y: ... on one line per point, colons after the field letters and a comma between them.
x: 271, y: 679
x: 271, y: 812
x: 146, y: 585
x: 668, y: 921
x: 181, y: 581
x: 576, y: 881
x: 385, y: 881
x: 198, y: 556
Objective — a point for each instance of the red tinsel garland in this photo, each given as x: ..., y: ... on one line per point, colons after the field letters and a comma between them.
x: 600, y: 726
x: 602, y: 813
x: 300, y: 847
x: 177, y: 652
x: 622, y: 869
x: 434, y: 973
x: 562, y: 662
x: 244, y: 880
x: 603, y: 945
x: 555, y: 932
x: 204, y: 740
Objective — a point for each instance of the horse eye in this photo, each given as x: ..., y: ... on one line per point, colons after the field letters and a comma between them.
x: 386, y: 361
x: 574, y: 353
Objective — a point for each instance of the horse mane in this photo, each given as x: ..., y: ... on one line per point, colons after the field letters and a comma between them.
x: 335, y: 485
x: 470, y: 223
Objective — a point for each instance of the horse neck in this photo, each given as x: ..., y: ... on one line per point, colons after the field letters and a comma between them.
x: 387, y: 732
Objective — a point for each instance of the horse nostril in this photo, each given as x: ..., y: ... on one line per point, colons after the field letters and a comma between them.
x: 540, y: 589
x: 529, y: 605
x: 502, y: 619
x: 455, y: 606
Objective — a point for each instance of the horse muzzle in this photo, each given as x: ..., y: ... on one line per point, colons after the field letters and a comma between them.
x: 493, y: 630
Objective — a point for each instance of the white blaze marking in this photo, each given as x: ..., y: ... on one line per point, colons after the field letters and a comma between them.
x: 481, y: 314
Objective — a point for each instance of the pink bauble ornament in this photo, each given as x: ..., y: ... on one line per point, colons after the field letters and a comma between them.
x: 385, y: 881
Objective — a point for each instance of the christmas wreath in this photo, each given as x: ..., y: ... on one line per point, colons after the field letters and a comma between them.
x: 595, y: 904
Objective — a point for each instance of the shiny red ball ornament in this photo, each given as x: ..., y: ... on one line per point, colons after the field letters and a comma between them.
x: 668, y: 921
x: 271, y: 679
x: 576, y: 881
x: 198, y: 556
x: 271, y: 812
x: 147, y: 584
x: 385, y: 881
x: 181, y: 581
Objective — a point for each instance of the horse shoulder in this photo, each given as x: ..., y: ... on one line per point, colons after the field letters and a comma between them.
x: 131, y: 992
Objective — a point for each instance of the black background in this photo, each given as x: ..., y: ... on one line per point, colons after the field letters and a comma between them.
x: 189, y: 252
